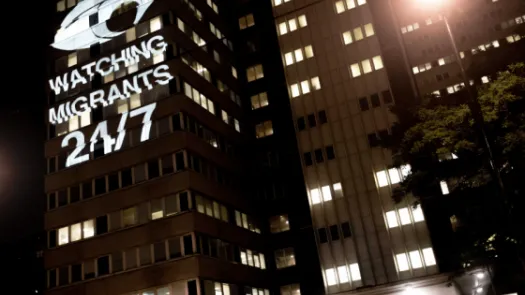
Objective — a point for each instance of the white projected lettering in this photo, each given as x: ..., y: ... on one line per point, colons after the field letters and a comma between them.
x: 110, y: 144
x: 109, y: 64
x: 76, y: 32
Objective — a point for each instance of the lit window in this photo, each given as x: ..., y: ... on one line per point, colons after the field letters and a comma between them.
x: 354, y: 272
x: 441, y: 61
x: 369, y: 30
x: 327, y: 194
x: 484, y: 79
x: 131, y: 35
x: 234, y: 72
x: 72, y: 59
x: 339, y: 7
x: 402, y: 262
x: 315, y: 196
x: 367, y: 66
x: 277, y: 2
x: 279, y: 224
x: 444, y: 187
x: 417, y: 213
x: 254, y: 73
x: 415, y: 259
x: 350, y: 4
x: 129, y: 216
x: 76, y: 232
x: 404, y: 216
x: 288, y: 290
x: 316, y: 83
x: 361, y: 2
x: 338, y: 190
x: 378, y: 62
x: 246, y: 21
x: 309, y: 51
x: 61, y: 5
x: 358, y: 34
x: 330, y: 277
x: 415, y: 70
x: 305, y: 87
x: 158, y: 58
x: 347, y: 38
x: 283, y: 29
x: 292, y: 24
x: 428, y: 255
x: 298, y: 55
x: 264, y: 129
x: 394, y: 175
x: 356, y: 72
x: 155, y: 24
x: 343, y: 274
x: 302, y: 21
x: 405, y: 170
x: 288, y: 57
x: 495, y: 43
x: 259, y: 100
x: 381, y: 178
x: 63, y: 235
x: 295, y: 90
x: 88, y: 228
x: 284, y: 258
x: 391, y: 219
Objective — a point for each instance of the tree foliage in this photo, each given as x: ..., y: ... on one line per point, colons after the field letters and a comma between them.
x: 441, y: 140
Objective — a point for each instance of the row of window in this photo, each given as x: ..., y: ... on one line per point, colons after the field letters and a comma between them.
x: 404, y: 216
x: 292, y: 24
x: 312, y: 120
x: 357, y: 34
x: 206, y: 288
x: 342, y: 6
x: 413, y: 260
x: 393, y: 175
x: 336, y: 231
x: 146, y: 255
x: 343, y: 274
x: 319, y: 155
x: 305, y: 86
x: 375, y: 102
x: 149, y: 170
x: 263, y: 129
x: 518, y: 20
x: 433, y: 64
x: 298, y: 55
x: 326, y: 192
x: 365, y: 66
x: 414, y: 26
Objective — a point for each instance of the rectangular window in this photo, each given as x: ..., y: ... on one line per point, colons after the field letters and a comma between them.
x: 391, y: 219
x: 369, y: 30
x: 415, y: 259
x: 347, y: 38
x: 279, y: 224
x: 330, y: 277
x: 246, y: 21
x: 367, y: 67
x: 358, y: 34
x: 254, y: 73
x: 356, y: 71
x: 354, y: 272
x: 378, y: 62
x: 428, y: 256
x: 402, y: 262
x: 343, y: 274
x: 259, y: 100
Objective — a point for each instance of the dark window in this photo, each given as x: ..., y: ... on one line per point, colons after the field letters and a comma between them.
x: 434, y: 64
x: 175, y: 122
x: 192, y: 287
x: 387, y: 96
x: 76, y: 273
x: 311, y: 121
x: 205, y: 245
x: 322, y: 117
x: 94, y: 50
x: 61, y: 161
x: 87, y: 191
x: 63, y: 276
x: 307, y: 159
x: 383, y: 135
x: 301, y: 124
x: 319, y: 156
x: 153, y: 169
x: 334, y: 232
x: 51, y: 163
x: 62, y: 197
x: 159, y: 251
x: 100, y: 185
x: 74, y: 194
x: 179, y: 161
x: 52, y: 239
x: 103, y: 265
x: 116, y: 262
x: 126, y: 178
x: 167, y: 164
x: 439, y: 77
x: 322, y: 235
x: 373, y: 140
x: 102, y: 225
x: 345, y: 228
x: 52, y: 201
x: 52, y: 278
x: 174, y: 248
x: 330, y: 154
x: 375, y: 100
x: 184, y: 205
x: 99, y: 149
x: 188, y: 245
x: 113, y: 182
x: 445, y: 76
x: 363, y: 104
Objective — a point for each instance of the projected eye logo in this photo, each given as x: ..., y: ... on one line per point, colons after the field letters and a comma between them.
x: 77, y: 32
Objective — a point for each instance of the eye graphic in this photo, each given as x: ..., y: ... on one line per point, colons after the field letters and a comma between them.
x: 86, y: 23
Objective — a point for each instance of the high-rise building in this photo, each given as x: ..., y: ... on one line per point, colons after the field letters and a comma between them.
x: 172, y: 164
x: 346, y: 63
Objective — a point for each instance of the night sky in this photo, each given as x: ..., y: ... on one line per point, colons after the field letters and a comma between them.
x: 22, y: 125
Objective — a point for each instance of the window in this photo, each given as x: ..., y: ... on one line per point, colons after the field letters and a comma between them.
x: 363, y: 104
x: 298, y: 55
x: 284, y: 258
x: 375, y: 100
x: 61, y: 5
x: 279, y: 2
x: 367, y: 66
x: 308, y: 159
x: 391, y: 219
x: 444, y: 187
x: 322, y: 117
x: 428, y: 256
x: 301, y: 124
x: 417, y: 213
x: 415, y: 259
x: 358, y: 34
x: 279, y: 224
x: 334, y: 232
x: 330, y: 277
x: 259, y: 100
x: 246, y: 21
x: 356, y: 71
x: 347, y: 38
x: 330, y: 153
x: 402, y: 262
x: 378, y: 62
x: 264, y: 129
x: 72, y: 59
x: 291, y: 25
x: 369, y: 30
x: 254, y: 73
x: 289, y: 290
x: 345, y: 228
x: 323, y: 238
x: 304, y: 87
